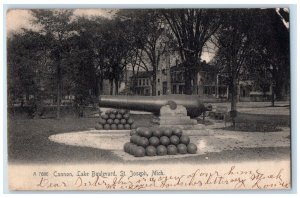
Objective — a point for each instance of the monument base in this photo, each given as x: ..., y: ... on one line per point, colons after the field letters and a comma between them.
x: 178, y: 120
x: 176, y: 116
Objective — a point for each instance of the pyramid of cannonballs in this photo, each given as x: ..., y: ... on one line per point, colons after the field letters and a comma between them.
x: 115, y: 120
x: 158, y: 141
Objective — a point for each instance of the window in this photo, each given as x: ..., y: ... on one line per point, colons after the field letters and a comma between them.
x: 181, y: 87
x: 158, y: 80
x: 174, y: 91
x: 143, y: 81
x: 140, y: 82
x: 158, y: 93
x: 165, y: 88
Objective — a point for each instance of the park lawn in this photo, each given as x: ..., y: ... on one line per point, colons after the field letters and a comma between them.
x: 28, y: 138
x: 260, y: 123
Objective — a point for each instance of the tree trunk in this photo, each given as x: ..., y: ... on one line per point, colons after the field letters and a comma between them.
x: 116, y: 86
x: 272, y: 96
x: 59, y: 81
x: 154, y: 81
x: 101, y: 86
x: 111, y: 82
x: 96, y: 86
x: 233, y: 101
x: 190, y: 63
x: 187, y: 83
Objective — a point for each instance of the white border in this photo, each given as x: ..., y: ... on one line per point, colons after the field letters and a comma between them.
x: 159, y: 3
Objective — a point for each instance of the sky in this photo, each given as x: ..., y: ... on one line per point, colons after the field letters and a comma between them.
x: 16, y: 19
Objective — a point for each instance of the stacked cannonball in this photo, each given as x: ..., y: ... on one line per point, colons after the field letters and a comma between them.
x: 115, y: 120
x: 158, y: 142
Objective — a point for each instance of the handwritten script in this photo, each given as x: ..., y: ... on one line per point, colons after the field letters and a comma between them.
x: 197, y: 179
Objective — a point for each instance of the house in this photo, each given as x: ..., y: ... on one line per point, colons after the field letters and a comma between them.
x: 141, y: 83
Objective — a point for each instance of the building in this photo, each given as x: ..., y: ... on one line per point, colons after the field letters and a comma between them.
x: 206, y: 82
x: 141, y: 83
x: 124, y: 85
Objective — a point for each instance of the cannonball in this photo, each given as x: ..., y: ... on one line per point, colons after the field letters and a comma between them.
x: 181, y: 148
x: 191, y: 148
x: 112, y: 116
x: 118, y: 116
x: 140, y: 130
x: 122, y: 111
x: 106, y: 126
x: 172, y: 150
x: 108, y: 112
x: 123, y: 121
x: 130, y: 121
x: 114, y: 111
x: 174, y: 139
x: 164, y: 140
x: 161, y: 150
x: 172, y: 104
x: 157, y: 132
x: 177, y: 132
x: 134, y: 138
x: 132, y: 148
x: 147, y: 133
x: 126, y: 147
x: 184, y: 139
x: 109, y: 121
x: 139, y: 151
x: 167, y: 132
x: 133, y: 126
x: 99, y: 126
x: 132, y: 132
x: 102, y: 121
x: 127, y: 126
x: 150, y: 151
x: 104, y: 116
x: 120, y: 126
x: 113, y: 126
x: 142, y: 141
x: 116, y: 121
x: 154, y: 141
x: 126, y: 116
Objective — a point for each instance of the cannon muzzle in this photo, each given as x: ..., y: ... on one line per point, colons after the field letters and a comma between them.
x: 193, y: 104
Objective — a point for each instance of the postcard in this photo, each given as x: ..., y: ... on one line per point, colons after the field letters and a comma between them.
x: 148, y: 99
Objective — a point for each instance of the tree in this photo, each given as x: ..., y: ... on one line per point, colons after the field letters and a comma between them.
x: 118, y: 43
x: 270, y: 62
x: 55, y: 26
x: 152, y: 38
x: 27, y: 67
x: 192, y: 29
x: 236, y: 47
x: 275, y: 50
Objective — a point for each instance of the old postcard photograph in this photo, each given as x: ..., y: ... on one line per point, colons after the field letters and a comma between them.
x: 148, y: 99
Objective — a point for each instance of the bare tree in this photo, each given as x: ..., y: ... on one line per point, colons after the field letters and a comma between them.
x: 192, y: 29
x: 55, y: 25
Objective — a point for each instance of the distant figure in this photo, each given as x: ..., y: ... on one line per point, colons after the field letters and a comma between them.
x: 32, y: 107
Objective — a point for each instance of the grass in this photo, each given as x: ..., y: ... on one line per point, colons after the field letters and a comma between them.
x: 260, y: 123
x: 28, y: 138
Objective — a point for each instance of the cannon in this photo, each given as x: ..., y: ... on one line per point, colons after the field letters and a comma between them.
x: 194, y: 106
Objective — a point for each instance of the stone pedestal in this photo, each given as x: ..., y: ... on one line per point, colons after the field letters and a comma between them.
x: 175, y: 117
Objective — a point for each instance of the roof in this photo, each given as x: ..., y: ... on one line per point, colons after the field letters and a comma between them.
x: 202, y: 67
x: 143, y: 74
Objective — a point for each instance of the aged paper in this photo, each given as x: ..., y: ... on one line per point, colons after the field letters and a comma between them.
x: 262, y: 175
x: 148, y: 99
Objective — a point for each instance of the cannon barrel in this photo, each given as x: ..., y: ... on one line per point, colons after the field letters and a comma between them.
x: 195, y: 107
